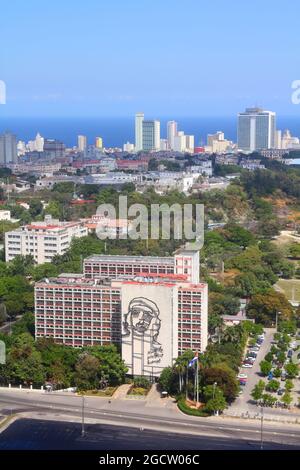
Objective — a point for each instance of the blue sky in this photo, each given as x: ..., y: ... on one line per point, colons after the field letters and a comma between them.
x: 164, y: 57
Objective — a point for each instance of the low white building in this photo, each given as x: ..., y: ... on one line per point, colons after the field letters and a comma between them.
x: 5, y: 215
x: 42, y: 240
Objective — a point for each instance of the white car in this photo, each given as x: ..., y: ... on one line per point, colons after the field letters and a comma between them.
x: 242, y: 376
x: 247, y: 366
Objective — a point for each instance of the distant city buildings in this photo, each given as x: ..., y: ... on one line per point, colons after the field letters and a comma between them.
x: 82, y: 143
x: 54, y: 148
x: 151, y: 135
x: 139, y: 118
x: 8, y: 148
x: 256, y: 129
x: 99, y: 142
x: 172, y: 129
x: 216, y: 143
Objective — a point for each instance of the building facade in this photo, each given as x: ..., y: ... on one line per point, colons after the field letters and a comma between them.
x: 154, y: 319
x: 151, y: 135
x: 139, y: 118
x: 42, y: 240
x: 184, y: 262
x: 256, y: 130
x: 8, y: 148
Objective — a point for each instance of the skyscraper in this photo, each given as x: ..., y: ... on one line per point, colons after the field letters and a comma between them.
x: 82, y: 143
x: 8, y: 148
x: 171, y: 133
x: 139, y: 118
x: 256, y: 129
x: 99, y: 143
x: 151, y: 135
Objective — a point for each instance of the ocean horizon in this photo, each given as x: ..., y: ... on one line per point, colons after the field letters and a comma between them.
x: 117, y: 131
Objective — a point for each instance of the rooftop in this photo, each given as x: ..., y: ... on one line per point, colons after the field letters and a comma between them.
x: 132, y: 259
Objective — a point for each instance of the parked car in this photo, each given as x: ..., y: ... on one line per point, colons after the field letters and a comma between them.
x: 247, y: 366
x: 242, y: 376
x: 280, y: 391
x: 290, y: 353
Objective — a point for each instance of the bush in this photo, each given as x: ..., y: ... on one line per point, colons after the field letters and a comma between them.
x: 190, y: 411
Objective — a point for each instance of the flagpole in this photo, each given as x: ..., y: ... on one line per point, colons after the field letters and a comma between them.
x: 197, y: 382
x: 186, y: 381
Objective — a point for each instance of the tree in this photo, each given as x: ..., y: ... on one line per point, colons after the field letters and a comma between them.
x: 87, y: 372
x: 258, y: 390
x: 35, y: 208
x: 112, y: 365
x: 216, y: 404
x: 225, y: 378
x: 277, y: 372
x: 287, y: 399
x: 168, y: 381
x: 268, y: 399
x: 289, y: 385
x: 265, y: 367
x: 269, y: 357
x: 273, y: 386
x: 264, y: 307
x: 24, y: 365
x: 292, y: 370
x: 3, y: 313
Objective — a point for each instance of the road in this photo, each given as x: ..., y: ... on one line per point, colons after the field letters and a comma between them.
x: 52, y: 435
x: 163, y: 417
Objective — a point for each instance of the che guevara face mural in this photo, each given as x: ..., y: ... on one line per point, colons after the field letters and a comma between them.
x: 143, y: 319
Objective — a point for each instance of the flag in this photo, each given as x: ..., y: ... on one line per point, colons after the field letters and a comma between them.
x: 194, y: 360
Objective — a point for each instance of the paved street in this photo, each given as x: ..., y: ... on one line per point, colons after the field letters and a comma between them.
x: 42, y: 434
x: 140, y: 414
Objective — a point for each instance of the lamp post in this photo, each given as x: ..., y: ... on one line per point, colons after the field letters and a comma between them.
x: 261, y: 428
x: 214, y: 389
x: 82, y: 416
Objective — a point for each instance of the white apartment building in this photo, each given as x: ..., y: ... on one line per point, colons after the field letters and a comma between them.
x: 256, y: 129
x: 5, y: 215
x: 42, y: 240
x: 139, y: 118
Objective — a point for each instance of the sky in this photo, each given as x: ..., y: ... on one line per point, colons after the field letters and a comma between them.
x: 163, y: 57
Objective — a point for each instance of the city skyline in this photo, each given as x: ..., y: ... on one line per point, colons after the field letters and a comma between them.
x: 183, y: 69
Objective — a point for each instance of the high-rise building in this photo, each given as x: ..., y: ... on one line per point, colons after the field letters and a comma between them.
x: 39, y: 143
x: 82, y: 143
x: 154, y: 308
x: 99, y: 142
x: 8, y: 148
x: 151, y: 135
x: 189, y: 143
x: 54, y: 148
x: 172, y: 130
x: 179, y: 142
x: 139, y: 118
x: 256, y: 129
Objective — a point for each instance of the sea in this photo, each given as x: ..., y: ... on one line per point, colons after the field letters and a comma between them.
x: 119, y: 130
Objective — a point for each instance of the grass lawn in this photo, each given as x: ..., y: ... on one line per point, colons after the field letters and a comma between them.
x: 290, y: 287
x: 108, y: 392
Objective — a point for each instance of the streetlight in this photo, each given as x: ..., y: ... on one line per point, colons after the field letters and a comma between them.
x: 261, y: 428
x: 214, y: 389
x: 82, y: 417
